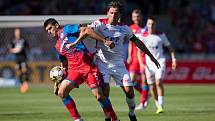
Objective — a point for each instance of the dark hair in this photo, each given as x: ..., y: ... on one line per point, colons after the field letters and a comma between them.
x: 51, y: 21
x: 152, y: 18
x: 138, y: 11
x: 115, y: 4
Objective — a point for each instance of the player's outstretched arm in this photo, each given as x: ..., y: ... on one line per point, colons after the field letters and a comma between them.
x: 15, y: 50
x: 143, y: 47
x: 90, y: 32
x: 81, y: 36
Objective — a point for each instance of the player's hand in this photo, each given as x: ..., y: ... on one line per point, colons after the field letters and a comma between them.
x: 69, y: 46
x: 174, y: 64
x: 56, y: 87
x: 109, y: 44
x: 156, y: 62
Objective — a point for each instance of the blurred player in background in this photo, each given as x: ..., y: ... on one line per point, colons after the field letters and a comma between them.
x: 19, y: 47
x: 155, y: 41
x: 79, y: 68
x: 137, y: 76
x: 111, y: 61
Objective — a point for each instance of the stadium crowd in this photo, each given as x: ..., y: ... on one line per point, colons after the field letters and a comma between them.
x: 190, y: 24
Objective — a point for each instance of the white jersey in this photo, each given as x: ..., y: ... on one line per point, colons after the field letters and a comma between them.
x: 115, y: 33
x: 155, y: 43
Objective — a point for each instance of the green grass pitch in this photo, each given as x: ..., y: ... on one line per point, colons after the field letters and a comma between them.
x: 182, y: 103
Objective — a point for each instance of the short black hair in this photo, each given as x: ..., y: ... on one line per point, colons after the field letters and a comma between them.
x: 138, y: 11
x: 115, y: 4
x: 152, y: 18
x: 51, y: 21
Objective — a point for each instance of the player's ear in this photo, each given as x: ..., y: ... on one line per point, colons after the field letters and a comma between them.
x: 57, y: 25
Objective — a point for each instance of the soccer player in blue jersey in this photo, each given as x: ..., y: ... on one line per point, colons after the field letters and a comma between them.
x: 79, y: 68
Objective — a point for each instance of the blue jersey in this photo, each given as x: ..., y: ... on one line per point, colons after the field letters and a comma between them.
x: 68, y: 34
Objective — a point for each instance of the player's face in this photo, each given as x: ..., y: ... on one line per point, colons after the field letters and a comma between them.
x: 136, y: 18
x: 52, y: 29
x: 113, y: 14
x: 151, y: 25
x: 17, y: 34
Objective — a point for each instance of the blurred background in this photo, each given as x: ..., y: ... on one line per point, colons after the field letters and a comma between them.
x: 189, y: 25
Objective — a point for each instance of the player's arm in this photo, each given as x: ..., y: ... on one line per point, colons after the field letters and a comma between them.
x: 64, y: 65
x: 140, y: 59
x: 129, y: 59
x: 91, y: 33
x: 143, y: 47
x: 88, y: 31
x: 82, y: 35
x: 15, y: 50
x: 172, y: 53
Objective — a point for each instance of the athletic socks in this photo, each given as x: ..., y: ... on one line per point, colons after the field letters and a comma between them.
x: 160, y: 101
x: 144, y: 94
x: 107, y: 108
x: 71, y: 107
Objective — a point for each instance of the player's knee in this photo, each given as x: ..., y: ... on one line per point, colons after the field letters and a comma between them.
x: 158, y: 83
x: 130, y: 93
x: 62, y: 94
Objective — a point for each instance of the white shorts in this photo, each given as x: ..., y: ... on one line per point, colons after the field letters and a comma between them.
x: 153, y: 73
x: 118, y: 72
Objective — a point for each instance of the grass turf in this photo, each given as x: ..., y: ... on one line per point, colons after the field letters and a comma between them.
x: 182, y: 103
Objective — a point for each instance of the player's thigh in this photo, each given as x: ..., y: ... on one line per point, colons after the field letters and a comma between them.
x: 159, y: 75
x: 150, y: 75
x: 121, y: 76
x: 75, y: 77
x: 65, y: 87
x: 134, y: 76
x: 104, y: 72
x: 94, y: 79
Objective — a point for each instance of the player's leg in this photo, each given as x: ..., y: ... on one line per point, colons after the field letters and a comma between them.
x: 150, y: 77
x: 106, y: 78
x: 105, y: 103
x: 160, y: 93
x: 122, y: 78
x: 24, y: 76
x: 19, y: 75
x: 71, y: 82
x: 130, y: 99
x: 134, y: 71
x: 144, y: 93
x: 135, y: 79
x: 94, y: 81
x: 159, y: 75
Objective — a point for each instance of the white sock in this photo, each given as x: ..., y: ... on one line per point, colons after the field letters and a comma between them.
x: 80, y: 119
x: 157, y: 104
x: 160, y: 101
x: 131, y: 105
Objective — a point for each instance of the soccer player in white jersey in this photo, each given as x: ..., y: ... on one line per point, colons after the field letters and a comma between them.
x: 155, y: 41
x: 110, y: 61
